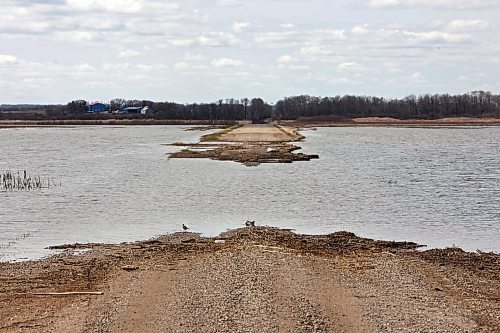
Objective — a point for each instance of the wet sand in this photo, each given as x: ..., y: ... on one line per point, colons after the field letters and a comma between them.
x: 253, y: 280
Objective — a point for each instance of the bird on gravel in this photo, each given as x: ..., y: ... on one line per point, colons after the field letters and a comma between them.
x: 249, y: 223
x: 184, y: 227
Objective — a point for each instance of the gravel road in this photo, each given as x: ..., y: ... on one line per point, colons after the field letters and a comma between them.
x: 255, y: 280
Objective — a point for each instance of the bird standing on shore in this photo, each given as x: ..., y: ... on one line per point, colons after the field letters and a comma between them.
x: 249, y: 223
x: 184, y: 227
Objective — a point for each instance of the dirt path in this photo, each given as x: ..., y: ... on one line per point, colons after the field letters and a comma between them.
x: 254, y: 280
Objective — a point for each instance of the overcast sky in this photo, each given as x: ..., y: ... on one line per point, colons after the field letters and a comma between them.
x: 54, y: 51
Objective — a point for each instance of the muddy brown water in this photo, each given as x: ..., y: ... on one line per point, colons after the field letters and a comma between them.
x: 434, y: 186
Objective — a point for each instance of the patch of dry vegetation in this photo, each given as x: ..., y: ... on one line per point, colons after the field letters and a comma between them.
x: 217, y: 135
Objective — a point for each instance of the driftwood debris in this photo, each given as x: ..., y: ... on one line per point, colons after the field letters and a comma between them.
x: 64, y: 293
x: 69, y: 293
x: 130, y: 268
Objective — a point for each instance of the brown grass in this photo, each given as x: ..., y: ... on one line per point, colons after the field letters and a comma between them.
x: 375, y: 121
x: 216, y: 136
x: 107, y: 122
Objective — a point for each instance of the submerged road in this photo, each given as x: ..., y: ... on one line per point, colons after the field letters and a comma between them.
x: 250, y: 144
x: 261, y: 133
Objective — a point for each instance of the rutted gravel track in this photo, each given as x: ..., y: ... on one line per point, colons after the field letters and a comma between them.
x: 255, y: 280
x: 236, y: 291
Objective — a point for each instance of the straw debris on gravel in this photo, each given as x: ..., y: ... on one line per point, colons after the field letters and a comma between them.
x: 257, y: 279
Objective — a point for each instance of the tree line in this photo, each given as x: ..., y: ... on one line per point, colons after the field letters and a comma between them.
x: 475, y: 104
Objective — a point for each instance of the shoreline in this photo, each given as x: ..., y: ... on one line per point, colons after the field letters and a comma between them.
x: 109, y: 122
x: 392, y: 122
x: 186, y: 282
x: 298, y: 123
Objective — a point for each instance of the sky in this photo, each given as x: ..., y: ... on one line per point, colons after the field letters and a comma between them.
x: 55, y: 51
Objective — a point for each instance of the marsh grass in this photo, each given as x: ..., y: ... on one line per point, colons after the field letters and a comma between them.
x: 21, y: 181
x: 293, y: 133
x: 216, y: 136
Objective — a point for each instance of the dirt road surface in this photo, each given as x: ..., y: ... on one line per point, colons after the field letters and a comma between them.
x: 261, y: 133
x: 254, y: 280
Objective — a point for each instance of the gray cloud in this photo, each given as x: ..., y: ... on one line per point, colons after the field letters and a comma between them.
x: 452, y: 4
x: 55, y: 51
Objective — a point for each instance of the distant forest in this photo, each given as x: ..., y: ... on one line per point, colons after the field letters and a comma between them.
x: 477, y: 104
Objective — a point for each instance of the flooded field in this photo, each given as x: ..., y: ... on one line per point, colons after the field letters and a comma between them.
x: 435, y: 186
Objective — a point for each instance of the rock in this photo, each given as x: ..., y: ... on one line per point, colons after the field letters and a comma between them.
x: 130, y: 268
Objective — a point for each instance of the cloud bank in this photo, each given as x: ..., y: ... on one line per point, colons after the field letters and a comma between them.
x: 58, y: 50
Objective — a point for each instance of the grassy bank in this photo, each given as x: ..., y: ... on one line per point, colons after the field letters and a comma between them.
x: 216, y: 136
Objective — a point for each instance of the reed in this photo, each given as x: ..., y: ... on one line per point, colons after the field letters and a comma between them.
x: 21, y: 181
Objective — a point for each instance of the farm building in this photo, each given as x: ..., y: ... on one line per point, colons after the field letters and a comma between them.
x: 96, y: 107
x: 132, y: 109
x: 138, y: 109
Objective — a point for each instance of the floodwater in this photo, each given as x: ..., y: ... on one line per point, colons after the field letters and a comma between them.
x: 434, y: 186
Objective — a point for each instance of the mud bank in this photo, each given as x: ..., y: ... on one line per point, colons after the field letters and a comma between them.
x: 257, y: 279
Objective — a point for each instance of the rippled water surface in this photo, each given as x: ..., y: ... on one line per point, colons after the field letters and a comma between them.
x: 435, y: 186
